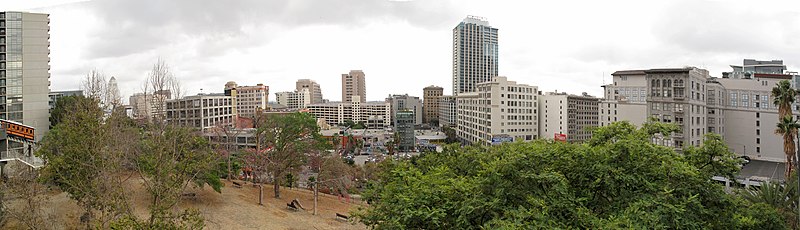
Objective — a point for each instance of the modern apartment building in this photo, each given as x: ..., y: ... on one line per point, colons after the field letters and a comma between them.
x: 567, y: 115
x: 447, y: 111
x: 431, y: 97
x: 248, y: 99
x: 406, y: 102
x: 375, y: 115
x: 475, y: 54
x: 738, y: 109
x: 498, y: 111
x: 294, y: 100
x: 313, y: 87
x: 202, y: 111
x: 404, y: 126
x: 25, y: 69
x: 353, y: 84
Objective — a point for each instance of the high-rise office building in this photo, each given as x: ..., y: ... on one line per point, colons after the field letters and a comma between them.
x: 25, y: 69
x: 312, y: 86
x: 353, y: 85
x: 474, y: 54
x: 431, y: 96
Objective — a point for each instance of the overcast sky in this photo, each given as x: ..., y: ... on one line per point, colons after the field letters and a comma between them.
x: 403, y: 46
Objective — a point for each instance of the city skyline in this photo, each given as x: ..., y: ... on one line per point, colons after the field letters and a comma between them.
x: 402, y: 46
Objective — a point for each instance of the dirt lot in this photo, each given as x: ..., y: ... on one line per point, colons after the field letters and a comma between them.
x: 234, y: 208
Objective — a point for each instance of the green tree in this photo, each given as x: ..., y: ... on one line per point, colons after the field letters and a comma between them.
x: 714, y: 158
x: 172, y: 158
x: 618, y: 179
x: 86, y: 156
x: 782, y: 198
x: 63, y: 106
x: 289, y: 138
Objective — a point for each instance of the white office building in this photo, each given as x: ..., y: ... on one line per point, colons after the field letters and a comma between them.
x: 498, y: 111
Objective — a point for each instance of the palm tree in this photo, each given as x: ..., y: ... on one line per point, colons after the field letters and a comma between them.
x: 787, y: 127
x: 781, y: 197
x: 783, y: 95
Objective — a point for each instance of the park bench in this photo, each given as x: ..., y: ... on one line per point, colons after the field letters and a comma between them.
x: 342, y: 217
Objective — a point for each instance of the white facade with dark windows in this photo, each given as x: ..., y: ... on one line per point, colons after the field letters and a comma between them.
x: 498, y: 111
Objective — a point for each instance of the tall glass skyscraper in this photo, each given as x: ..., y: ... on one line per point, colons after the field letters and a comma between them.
x: 25, y: 69
x: 474, y: 54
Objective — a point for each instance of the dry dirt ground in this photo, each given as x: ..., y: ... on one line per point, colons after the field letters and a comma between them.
x: 234, y: 208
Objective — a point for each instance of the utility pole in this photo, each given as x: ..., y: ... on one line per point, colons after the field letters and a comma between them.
x: 315, y: 196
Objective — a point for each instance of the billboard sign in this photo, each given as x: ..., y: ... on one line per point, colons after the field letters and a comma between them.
x: 560, y: 137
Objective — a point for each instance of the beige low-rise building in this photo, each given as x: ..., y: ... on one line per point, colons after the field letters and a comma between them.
x: 374, y: 115
x: 498, y: 111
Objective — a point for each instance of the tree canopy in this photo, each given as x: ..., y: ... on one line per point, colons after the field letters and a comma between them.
x: 618, y: 179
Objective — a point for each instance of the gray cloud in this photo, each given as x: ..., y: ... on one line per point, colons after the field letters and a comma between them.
x: 136, y: 26
x: 723, y: 27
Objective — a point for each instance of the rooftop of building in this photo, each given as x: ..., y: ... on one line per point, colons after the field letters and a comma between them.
x: 628, y: 72
x: 337, y: 103
x: 582, y: 95
x: 471, y: 19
